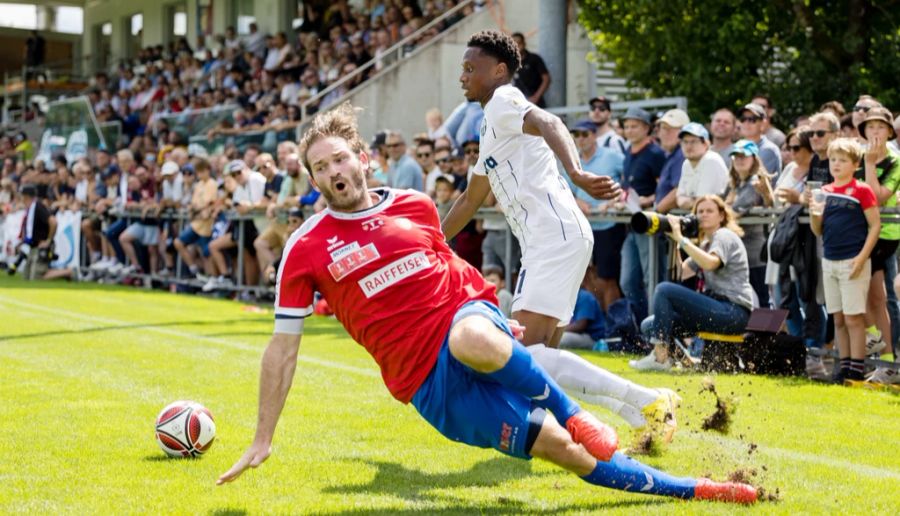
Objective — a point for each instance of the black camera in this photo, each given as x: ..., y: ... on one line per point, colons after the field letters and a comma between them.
x: 651, y: 223
x: 46, y: 254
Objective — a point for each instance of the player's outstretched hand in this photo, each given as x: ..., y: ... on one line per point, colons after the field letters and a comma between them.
x: 253, y: 457
x: 598, y: 187
x: 518, y: 330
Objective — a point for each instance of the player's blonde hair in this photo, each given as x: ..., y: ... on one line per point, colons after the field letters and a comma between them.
x: 848, y: 147
x: 339, y: 122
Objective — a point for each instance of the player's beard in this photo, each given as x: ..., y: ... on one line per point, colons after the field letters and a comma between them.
x: 351, y: 197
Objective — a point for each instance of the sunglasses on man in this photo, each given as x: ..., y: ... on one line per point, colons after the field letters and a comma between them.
x: 818, y: 134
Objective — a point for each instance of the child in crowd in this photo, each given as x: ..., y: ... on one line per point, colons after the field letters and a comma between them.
x: 588, y: 320
x: 443, y: 195
x: 848, y: 221
x: 494, y: 275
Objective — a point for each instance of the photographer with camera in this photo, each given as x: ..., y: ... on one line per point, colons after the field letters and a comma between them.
x: 725, y: 300
x: 38, y: 230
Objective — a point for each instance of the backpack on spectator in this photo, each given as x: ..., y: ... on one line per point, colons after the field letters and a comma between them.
x: 785, y: 238
x: 622, y: 330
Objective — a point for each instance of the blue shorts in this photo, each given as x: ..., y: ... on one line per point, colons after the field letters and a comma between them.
x: 468, y: 407
x: 189, y: 236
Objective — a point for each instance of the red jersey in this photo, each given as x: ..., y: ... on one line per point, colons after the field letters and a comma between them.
x: 390, y: 278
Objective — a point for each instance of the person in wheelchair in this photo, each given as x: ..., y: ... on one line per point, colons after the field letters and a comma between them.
x: 723, y: 299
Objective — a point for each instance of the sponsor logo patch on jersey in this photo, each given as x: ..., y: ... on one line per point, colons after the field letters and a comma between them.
x: 507, y: 437
x: 394, y: 272
x: 341, y: 251
x: 349, y: 262
x: 334, y: 242
x: 372, y: 224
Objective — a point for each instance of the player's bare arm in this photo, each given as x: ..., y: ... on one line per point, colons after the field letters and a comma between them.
x: 276, y: 375
x: 466, y: 205
x: 548, y: 126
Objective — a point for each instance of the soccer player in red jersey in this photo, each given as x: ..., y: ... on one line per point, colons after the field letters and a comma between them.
x: 431, y: 323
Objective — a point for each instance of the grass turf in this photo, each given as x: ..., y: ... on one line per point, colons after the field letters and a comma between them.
x: 85, y: 369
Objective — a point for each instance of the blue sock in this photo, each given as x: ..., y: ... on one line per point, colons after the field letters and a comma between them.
x: 626, y: 474
x: 523, y: 375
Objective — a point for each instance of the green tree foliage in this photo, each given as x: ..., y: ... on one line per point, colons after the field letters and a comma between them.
x: 719, y: 54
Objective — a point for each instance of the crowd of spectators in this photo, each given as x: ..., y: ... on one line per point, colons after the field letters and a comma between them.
x: 267, y: 77
x: 156, y: 202
x: 740, y: 160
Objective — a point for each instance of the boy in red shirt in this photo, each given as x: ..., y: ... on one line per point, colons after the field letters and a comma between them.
x: 848, y: 222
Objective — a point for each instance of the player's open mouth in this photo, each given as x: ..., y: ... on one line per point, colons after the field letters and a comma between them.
x: 340, y: 186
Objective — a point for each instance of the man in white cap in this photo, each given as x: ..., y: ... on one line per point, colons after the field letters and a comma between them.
x: 703, y: 171
x: 667, y: 128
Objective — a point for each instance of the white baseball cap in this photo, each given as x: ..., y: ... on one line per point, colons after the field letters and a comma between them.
x: 169, y: 168
x: 675, y: 118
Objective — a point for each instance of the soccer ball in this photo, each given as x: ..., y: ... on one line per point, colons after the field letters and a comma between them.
x: 185, y: 429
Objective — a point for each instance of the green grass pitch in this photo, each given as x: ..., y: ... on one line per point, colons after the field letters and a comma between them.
x: 86, y: 368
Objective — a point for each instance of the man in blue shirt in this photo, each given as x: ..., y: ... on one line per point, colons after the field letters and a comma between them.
x: 608, y: 236
x: 586, y: 326
x: 642, y: 168
x: 668, y: 129
x: 404, y: 172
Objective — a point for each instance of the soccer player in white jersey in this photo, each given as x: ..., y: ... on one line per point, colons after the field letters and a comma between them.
x: 520, y: 143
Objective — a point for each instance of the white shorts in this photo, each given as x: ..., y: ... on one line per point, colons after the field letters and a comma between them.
x: 147, y: 235
x: 549, y: 279
x: 843, y: 294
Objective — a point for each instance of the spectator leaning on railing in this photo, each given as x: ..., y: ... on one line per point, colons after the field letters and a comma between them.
x: 247, y: 193
x: 201, y: 216
x: 703, y: 171
x: 749, y: 188
x: 668, y: 128
x: 881, y: 171
x: 752, y: 118
x: 806, y: 317
x: 641, y: 170
x: 608, y: 237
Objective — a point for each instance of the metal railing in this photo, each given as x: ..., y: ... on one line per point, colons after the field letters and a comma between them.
x: 755, y: 216
x: 624, y: 105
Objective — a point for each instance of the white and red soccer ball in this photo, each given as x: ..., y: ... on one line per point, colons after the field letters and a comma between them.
x: 185, y: 429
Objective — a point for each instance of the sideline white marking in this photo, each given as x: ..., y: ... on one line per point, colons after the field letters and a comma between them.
x: 59, y: 312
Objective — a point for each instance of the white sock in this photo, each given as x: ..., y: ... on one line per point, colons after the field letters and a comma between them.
x: 95, y: 257
x: 632, y: 415
x: 578, y: 375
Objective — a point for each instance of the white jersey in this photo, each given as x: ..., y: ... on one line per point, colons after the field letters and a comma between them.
x: 536, y: 199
